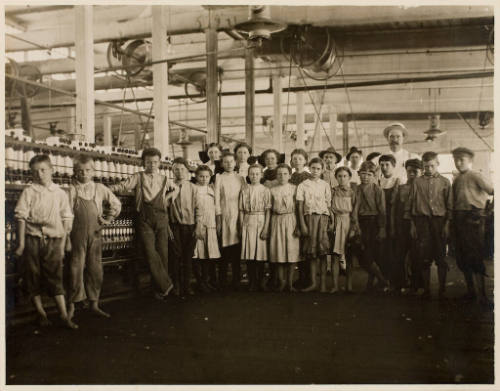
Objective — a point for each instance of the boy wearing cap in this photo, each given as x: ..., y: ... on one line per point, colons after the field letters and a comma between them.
x: 430, y: 205
x: 369, y: 214
x: 404, y: 244
x: 331, y: 158
x: 470, y: 193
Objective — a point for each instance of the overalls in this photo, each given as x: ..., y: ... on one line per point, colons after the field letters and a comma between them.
x: 153, y: 230
x: 86, y: 272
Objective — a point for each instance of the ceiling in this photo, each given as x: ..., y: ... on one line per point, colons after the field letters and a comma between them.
x: 399, y: 63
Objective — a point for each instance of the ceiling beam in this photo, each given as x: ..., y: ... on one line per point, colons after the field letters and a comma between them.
x: 14, y: 22
x: 30, y: 10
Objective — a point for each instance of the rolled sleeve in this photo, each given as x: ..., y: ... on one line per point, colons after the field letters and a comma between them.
x: 483, y: 184
x: 66, y: 212
x: 22, y: 210
x: 115, y: 206
x: 128, y: 185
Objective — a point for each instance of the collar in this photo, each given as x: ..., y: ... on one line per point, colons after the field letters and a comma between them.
x: 38, y: 187
x: 435, y: 175
x: 84, y: 185
x: 181, y: 182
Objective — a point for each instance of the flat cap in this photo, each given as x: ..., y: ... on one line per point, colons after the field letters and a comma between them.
x: 462, y: 151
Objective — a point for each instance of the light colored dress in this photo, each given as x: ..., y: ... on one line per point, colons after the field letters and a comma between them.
x: 208, y: 248
x: 283, y: 245
x: 254, y: 201
x: 343, y: 200
x: 227, y: 193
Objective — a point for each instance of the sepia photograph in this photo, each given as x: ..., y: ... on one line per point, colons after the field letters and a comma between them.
x: 248, y: 194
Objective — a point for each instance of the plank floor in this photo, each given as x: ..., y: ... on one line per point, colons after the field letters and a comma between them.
x: 265, y: 338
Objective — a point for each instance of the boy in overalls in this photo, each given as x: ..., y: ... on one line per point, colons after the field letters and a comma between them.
x: 87, y: 199
x: 153, y: 192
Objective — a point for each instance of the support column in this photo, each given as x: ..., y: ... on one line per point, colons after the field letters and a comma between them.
x: 84, y: 68
x: 332, y: 114
x: 299, y: 120
x: 138, y: 138
x: 345, y: 137
x: 277, y: 117
x: 72, y: 122
x: 213, y: 133
x: 249, y: 98
x: 107, y: 126
x: 318, y: 128
x: 160, y: 78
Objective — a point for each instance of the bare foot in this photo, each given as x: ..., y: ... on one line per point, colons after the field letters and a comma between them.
x: 71, y: 311
x: 43, y: 321
x: 96, y: 310
x: 334, y: 290
x: 69, y: 323
x: 310, y: 288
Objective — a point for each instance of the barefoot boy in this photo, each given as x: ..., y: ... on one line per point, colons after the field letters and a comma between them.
x: 87, y: 199
x: 44, y: 221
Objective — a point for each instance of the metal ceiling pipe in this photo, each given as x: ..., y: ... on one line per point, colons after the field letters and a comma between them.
x: 100, y: 102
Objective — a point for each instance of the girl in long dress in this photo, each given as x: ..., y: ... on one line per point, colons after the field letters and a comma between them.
x: 206, y: 251
x: 255, y: 213
x: 227, y: 193
x: 284, y: 245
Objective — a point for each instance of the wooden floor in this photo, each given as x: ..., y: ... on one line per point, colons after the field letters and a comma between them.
x: 256, y: 338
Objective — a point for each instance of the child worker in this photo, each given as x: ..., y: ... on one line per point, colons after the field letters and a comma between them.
x: 298, y: 161
x: 227, y: 192
x: 87, y: 200
x: 470, y: 193
x: 430, y: 206
x: 284, y: 244
x: 44, y: 220
x: 153, y: 193
x: 182, y: 222
x: 389, y: 184
x: 254, y: 219
x: 206, y: 250
x: 369, y: 213
x: 314, y: 199
x: 405, y: 246
x: 343, y: 201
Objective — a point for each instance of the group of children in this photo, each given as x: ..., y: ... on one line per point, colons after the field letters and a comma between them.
x: 270, y: 215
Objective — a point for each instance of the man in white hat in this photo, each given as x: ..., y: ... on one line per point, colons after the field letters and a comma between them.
x: 395, y: 134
